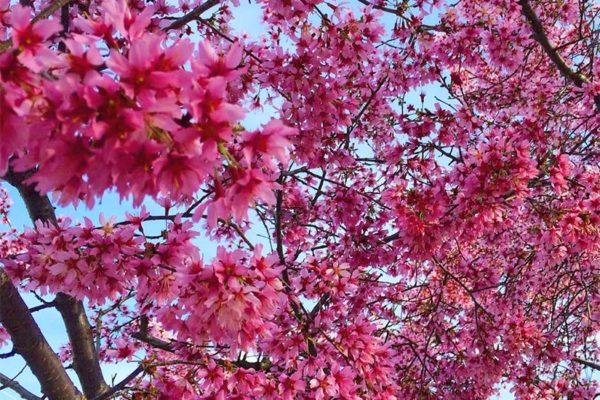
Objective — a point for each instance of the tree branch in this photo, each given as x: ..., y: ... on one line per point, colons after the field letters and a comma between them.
x: 42, y: 307
x: 51, y: 9
x: 399, y: 11
x: 121, y: 385
x: 153, y: 341
x: 85, y: 357
x: 29, y: 342
x: 319, y: 306
x: 542, y: 38
x: 157, y: 343
x: 192, y: 15
x: 587, y: 363
x: 9, y: 354
x: 38, y: 207
x: 15, y: 386
x: 143, y: 336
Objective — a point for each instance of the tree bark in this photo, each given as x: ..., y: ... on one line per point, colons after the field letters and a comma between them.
x: 85, y: 359
x: 30, y: 343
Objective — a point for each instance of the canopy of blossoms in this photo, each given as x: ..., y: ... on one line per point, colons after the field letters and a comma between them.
x: 420, y: 219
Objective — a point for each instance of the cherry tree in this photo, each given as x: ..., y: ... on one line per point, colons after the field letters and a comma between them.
x: 420, y: 219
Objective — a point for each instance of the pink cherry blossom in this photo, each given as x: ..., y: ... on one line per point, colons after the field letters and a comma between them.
x: 415, y: 215
x: 29, y: 38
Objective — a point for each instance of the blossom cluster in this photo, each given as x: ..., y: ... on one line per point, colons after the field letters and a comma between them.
x: 428, y: 192
x: 125, y: 106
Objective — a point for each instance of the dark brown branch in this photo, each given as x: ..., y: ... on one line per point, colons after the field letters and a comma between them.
x: 29, y: 342
x: 121, y: 385
x: 153, y: 341
x: 364, y: 108
x: 319, y: 191
x: 8, y: 354
x: 239, y: 232
x: 447, y: 154
x: 38, y: 207
x: 192, y: 15
x: 170, y: 347
x: 16, y: 387
x: 143, y: 336
x: 542, y: 38
x: 85, y: 357
x: 320, y: 304
x: 51, y: 9
x: 587, y: 363
x: 391, y: 237
x: 42, y: 307
x: 279, y: 230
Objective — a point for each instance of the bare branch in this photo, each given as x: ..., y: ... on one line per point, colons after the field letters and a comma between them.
x: 9, y: 354
x: 42, y: 307
x: 587, y: 363
x: 15, y: 386
x: 51, y: 9
x: 319, y: 306
x: 192, y: 15
x: 153, y: 341
x: 121, y: 385
x: 239, y: 232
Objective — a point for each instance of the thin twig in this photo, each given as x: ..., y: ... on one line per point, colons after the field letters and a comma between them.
x: 15, y: 386
x: 192, y: 15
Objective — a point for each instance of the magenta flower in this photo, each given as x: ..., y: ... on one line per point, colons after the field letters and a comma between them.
x: 271, y: 141
x: 31, y: 39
